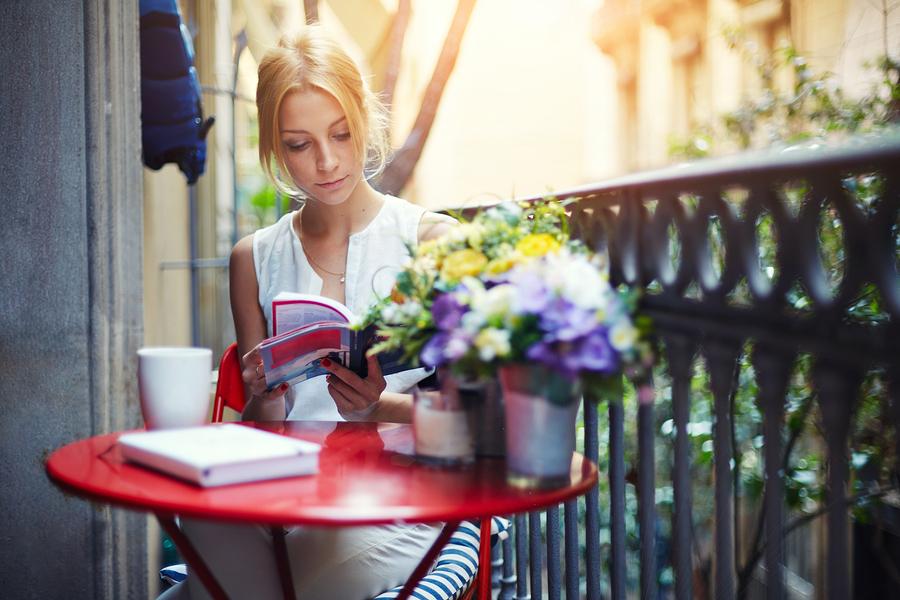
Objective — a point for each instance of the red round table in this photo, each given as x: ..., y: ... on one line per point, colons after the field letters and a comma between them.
x: 368, y: 475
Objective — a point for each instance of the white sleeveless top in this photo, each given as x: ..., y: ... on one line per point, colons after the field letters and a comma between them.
x: 374, y: 257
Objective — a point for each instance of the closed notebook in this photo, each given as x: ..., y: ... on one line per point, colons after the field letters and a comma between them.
x: 215, y: 455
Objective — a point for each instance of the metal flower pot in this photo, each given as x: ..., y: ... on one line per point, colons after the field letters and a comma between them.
x: 483, y: 403
x: 541, y: 407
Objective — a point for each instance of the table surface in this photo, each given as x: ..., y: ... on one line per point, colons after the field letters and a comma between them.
x: 367, y: 475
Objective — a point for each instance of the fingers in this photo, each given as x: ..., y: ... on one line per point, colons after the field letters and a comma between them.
x: 251, y: 367
x: 355, y: 397
x: 374, y: 370
x: 254, y: 377
x: 342, y: 372
x: 272, y: 394
x: 344, y: 398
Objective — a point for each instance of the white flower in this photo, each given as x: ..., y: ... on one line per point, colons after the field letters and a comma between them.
x: 470, y: 233
x: 391, y: 313
x: 623, y: 335
x: 410, y: 309
x: 456, y: 347
x: 492, y: 343
x: 472, y: 322
x: 424, y: 265
x: 496, y: 302
x: 577, y: 280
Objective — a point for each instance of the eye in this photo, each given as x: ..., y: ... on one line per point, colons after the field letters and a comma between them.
x: 342, y: 137
x: 297, y: 146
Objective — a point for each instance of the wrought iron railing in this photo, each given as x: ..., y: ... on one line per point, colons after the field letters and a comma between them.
x: 730, y: 255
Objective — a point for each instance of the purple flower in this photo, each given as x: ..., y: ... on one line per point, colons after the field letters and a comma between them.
x: 457, y: 345
x: 533, y: 296
x: 432, y: 354
x: 566, y: 322
x: 446, y: 312
x: 543, y: 353
x: 596, y: 354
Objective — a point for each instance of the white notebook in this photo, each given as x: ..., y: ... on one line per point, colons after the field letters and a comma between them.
x: 221, y: 454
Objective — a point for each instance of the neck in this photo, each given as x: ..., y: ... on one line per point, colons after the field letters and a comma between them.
x: 342, y: 220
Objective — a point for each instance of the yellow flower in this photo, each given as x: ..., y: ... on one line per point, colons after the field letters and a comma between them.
x: 537, y: 244
x: 427, y: 247
x: 463, y: 263
x: 500, y: 265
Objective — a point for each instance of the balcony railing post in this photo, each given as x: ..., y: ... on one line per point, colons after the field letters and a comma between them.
x: 617, y: 575
x: 554, y: 583
x: 571, y: 562
x: 647, y: 488
x: 837, y: 388
x: 592, y: 500
x: 722, y: 363
x: 773, y: 371
x: 680, y: 351
x: 521, y: 530
x: 535, y: 555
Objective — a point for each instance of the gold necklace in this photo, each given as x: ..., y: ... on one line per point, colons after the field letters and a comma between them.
x: 340, y: 275
x: 320, y: 267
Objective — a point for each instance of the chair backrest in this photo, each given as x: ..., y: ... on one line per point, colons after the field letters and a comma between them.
x: 230, y: 386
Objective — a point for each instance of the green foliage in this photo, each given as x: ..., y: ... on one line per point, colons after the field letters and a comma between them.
x: 813, y: 107
x: 263, y: 205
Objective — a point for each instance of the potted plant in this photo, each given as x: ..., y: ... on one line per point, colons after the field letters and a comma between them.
x: 511, y: 295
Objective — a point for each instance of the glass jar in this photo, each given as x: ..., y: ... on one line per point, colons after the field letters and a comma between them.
x: 441, y: 424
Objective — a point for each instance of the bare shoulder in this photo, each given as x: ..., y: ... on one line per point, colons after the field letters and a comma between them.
x: 242, y: 253
x: 434, y: 225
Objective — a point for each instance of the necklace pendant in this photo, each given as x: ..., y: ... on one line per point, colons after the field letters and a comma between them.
x: 342, y: 279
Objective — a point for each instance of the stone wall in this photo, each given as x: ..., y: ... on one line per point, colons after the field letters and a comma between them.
x: 70, y: 287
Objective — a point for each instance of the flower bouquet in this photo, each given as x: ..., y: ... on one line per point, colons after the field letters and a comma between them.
x: 510, y: 293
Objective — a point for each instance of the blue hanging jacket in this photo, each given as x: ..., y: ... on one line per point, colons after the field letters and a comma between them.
x: 171, y: 109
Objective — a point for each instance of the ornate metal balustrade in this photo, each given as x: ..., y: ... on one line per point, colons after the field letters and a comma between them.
x: 731, y: 254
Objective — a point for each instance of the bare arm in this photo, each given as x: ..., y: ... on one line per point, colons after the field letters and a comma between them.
x: 250, y: 327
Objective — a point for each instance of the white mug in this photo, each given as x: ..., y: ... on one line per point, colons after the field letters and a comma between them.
x: 174, y: 386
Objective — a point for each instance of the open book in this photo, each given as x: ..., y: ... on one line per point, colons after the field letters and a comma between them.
x: 309, y: 328
x: 215, y: 455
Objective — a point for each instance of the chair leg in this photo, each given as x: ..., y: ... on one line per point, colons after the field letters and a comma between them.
x: 483, y: 577
x: 283, y: 561
x: 469, y: 594
x: 192, y: 557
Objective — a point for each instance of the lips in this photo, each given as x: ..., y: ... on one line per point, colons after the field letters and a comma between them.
x: 331, y: 185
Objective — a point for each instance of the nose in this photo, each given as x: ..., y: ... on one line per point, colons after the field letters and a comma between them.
x: 327, y: 159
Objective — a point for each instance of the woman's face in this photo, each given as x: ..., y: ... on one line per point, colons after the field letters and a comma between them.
x: 316, y: 143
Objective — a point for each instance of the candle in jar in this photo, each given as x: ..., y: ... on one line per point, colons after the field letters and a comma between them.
x: 442, y: 433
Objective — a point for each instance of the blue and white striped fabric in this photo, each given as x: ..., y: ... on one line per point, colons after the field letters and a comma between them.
x: 456, y: 565
x: 173, y: 574
x: 452, y: 574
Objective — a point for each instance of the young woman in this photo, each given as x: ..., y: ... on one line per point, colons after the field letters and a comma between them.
x: 321, y: 130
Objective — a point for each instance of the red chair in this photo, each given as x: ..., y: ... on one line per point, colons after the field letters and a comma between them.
x: 230, y: 386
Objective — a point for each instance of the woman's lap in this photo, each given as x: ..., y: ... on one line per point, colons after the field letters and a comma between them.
x: 341, y: 563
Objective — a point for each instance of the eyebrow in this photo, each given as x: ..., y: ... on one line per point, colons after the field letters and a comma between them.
x: 304, y: 131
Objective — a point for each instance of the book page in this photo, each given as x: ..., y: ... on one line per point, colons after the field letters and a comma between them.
x: 297, y: 355
x: 291, y: 310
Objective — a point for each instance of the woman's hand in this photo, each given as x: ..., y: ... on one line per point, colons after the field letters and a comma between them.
x: 255, y: 379
x: 355, y: 397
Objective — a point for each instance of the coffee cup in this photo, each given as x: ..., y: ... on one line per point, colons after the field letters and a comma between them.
x: 174, y: 385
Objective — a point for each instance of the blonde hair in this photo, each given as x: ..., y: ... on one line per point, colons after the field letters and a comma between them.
x: 308, y: 60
